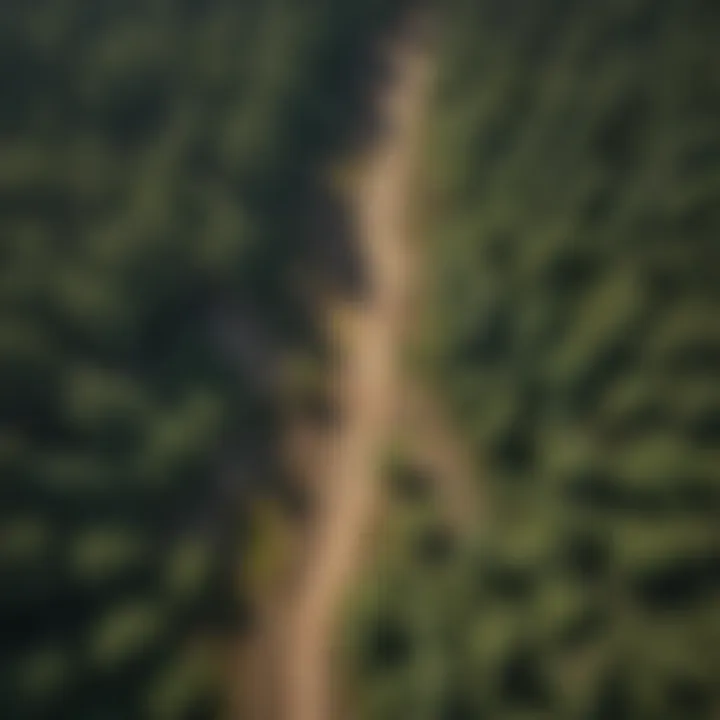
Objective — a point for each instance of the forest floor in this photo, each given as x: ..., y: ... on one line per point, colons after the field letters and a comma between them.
x: 292, y: 663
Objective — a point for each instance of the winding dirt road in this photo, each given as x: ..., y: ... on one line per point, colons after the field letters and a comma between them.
x: 368, y: 394
x: 295, y: 663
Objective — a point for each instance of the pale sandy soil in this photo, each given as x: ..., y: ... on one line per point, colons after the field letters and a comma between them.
x: 291, y: 666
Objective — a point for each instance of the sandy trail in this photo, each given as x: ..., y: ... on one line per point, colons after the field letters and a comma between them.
x: 292, y: 665
x: 368, y: 382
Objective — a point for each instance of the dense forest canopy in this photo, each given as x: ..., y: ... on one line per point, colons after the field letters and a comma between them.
x: 573, y: 186
x: 156, y: 157
x: 159, y: 182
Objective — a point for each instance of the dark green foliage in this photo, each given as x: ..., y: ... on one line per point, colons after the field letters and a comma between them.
x: 157, y: 166
x: 409, y: 481
x: 575, y: 198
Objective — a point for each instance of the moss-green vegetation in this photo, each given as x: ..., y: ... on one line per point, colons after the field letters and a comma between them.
x: 575, y: 185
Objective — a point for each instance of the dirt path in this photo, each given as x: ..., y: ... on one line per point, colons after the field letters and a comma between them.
x: 294, y: 658
x: 367, y: 384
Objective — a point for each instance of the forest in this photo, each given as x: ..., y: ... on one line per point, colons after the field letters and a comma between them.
x: 573, y: 172
x: 157, y: 165
x: 161, y: 187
